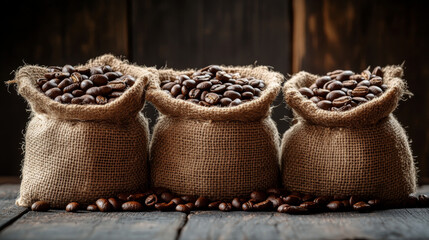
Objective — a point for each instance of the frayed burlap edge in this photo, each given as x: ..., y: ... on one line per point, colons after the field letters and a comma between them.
x: 251, y: 111
x: 128, y: 105
x: 365, y: 114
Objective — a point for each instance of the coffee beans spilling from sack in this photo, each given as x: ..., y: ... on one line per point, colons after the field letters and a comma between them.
x: 271, y: 200
x: 95, y: 85
x: 342, y: 90
x: 211, y: 86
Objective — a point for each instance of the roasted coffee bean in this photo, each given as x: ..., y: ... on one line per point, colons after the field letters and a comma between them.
x: 341, y: 101
x: 248, y: 206
x: 94, y: 91
x: 41, y: 81
x: 103, y: 205
x: 204, y: 85
x: 307, y: 197
x: 258, y: 196
x: 176, y: 90
x: 95, y: 70
x: 76, y: 77
x: 195, y: 93
x: 115, y: 94
x: 350, y: 84
x: 360, y: 91
x: 322, y: 201
x: 375, y: 90
x: 67, y: 97
x: 177, y: 200
x: 53, y: 92
x: 263, y: 206
x: 306, y: 92
x: 225, y: 101
x: 364, y: 83
x: 333, y: 85
x: 203, y: 95
x: 111, y: 75
x: 40, y: 206
x: 223, y: 76
x: 335, y: 94
x: 374, y: 203
x: 232, y: 94
x: 324, y: 104
x: 166, y: 196
x: 68, y: 69
x: 183, y: 208
x: 132, y: 206
x: 136, y: 197
x: 320, y: 92
x: 370, y: 96
x: 237, y: 203
x: 72, y: 207
x: 235, y: 87
x: 116, y: 205
x: 212, y: 98
x: 311, y: 206
x: 92, y: 208
x: 48, y: 85
x: 292, y: 200
x: 376, y: 81
x: 218, y: 88
x: 285, y: 208
x: 106, y: 69
x: 101, y: 100
x: 188, y: 198
x: 170, y: 206
x: 362, y: 207
x: 377, y: 71
x: 214, y: 69
x: 62, y: 75
x: 202, y: 203
x: 360, y: 100
x: 86, y: 84
x: 320, y: 82
x: 64, y: 83
x: 151, y: 200
x: 334, y: 206
x: 214, y: 205
x: 345, y: 75
x: 168, y: 86
x: 116, y: 86
x: 225, y: 207
x: 99, y: 79
x: 276, y: 201
x: 70, y: 88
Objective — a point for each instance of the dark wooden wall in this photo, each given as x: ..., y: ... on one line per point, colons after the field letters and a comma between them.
x: 291, y: 35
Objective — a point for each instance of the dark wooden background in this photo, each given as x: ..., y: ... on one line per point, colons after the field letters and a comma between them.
x: 291, y: 35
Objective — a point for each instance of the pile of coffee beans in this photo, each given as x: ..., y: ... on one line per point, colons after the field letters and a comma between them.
x: 211, y: 86
x: 95, y: 85
x: 274, y: 199
x: 341, y: 90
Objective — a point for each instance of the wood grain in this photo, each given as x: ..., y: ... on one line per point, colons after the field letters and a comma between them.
x: 9, y: 212
x: 333, y: 34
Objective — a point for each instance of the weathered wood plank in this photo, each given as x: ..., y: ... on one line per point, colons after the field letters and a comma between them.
x: 8, y: 210
x: 116, y: 225
x: 389, y: 224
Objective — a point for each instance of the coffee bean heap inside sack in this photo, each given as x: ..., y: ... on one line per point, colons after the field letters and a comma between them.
x: 95, y: 85
x: 211, y: 86
x: 342, y: 90
x: 273, y: 199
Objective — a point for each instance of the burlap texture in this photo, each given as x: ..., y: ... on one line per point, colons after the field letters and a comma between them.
x: 363, y: 151
x: 215, y: 152
x: 84, y: 152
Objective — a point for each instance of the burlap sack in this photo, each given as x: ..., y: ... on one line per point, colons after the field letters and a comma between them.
x: 363, y: 151
x: 83, y: 152
x: 215, y: 152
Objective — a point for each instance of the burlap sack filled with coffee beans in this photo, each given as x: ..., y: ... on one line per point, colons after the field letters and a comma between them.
x: 363, y: 151
x: 218, y: 152
x: 83, y: 152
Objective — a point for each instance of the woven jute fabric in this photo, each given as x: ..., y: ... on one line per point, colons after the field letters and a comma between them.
x: 363, y: 151
x: 215, y: 152
x: 84, y: 152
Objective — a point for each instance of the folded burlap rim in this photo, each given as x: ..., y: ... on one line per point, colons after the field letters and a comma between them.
x: 127, y: 105
x: 366, y: 114
x: 251, y: 111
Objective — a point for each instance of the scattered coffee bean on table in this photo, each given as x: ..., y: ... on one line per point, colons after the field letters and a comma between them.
x: 341, y: 90
x: 273, y: 199
x: 212, y: 86
x: 96, y: 85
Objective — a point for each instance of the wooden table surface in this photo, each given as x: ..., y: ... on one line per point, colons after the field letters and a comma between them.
x: 19, y: 223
